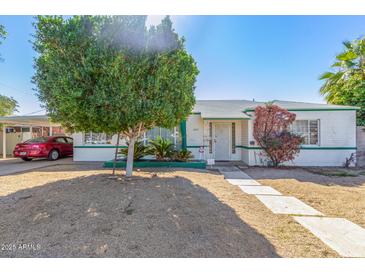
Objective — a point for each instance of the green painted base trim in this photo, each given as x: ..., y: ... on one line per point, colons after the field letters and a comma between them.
x: 97, y: 146
x: 226, y: 118
x: 309, y: 148
x: 151, y: 163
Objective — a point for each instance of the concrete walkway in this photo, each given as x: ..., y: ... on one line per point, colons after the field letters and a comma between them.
x: 15, y: 165
x: 343, y: 236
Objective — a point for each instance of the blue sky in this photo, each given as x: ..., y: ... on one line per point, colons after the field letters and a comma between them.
x: 239, y: 57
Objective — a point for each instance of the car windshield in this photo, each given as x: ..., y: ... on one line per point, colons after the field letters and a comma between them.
x: 37, y: 140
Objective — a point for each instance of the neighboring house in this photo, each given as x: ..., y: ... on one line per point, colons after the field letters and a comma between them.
x: 18, y: 129
x: 223, y: 130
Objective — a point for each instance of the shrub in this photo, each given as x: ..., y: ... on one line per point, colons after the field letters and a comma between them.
x: 272, y: 134
x: 140, y: 150
x: 161, y: 148
x: 183, y: 155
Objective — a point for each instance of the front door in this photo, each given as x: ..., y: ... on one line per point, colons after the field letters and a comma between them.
x: 221, y: 141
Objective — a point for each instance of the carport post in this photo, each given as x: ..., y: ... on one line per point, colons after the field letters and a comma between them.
x: 4, y: 141
x: 50, y: 130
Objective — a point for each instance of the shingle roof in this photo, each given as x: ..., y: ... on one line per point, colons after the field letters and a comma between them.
x: 36, y: 120
x: 237, y: 108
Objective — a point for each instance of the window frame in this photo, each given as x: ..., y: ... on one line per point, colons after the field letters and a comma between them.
x: 100, y: 144
x: 309, y: 132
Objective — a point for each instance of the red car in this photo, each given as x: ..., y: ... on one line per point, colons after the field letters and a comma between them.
x: 52, y: 147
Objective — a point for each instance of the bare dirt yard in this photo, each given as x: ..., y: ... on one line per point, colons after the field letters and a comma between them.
x: 81, y: 211
x: 336, y: 192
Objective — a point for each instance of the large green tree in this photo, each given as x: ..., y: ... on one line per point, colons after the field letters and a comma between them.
x: 3, y: 34
x: 8, y: 105
x: 112, y: 74
x: 345, y: 83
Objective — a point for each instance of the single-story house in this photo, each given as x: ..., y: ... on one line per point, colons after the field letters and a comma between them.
x: 216, y: 129
x: 223, y: 130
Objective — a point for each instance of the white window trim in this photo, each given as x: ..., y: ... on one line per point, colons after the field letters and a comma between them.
x: 319, y: 132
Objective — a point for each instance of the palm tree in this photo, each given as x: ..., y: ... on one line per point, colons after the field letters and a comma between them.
x: 349, y: 73
x: 345, y: 85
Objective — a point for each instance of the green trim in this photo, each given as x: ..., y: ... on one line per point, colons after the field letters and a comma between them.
x: 226, y: 119
x: 183, y: 134
x: 195, y: 146
x: 308, y: 148
x: 312, y: 109
x: 196, y: 113
x: 91, y: 146
x: 153, y: 163
x: 329, y: 148
x: 246, y: 147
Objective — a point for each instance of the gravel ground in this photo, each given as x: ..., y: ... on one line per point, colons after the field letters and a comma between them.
x: 333, y: 196
x: 82, y: 211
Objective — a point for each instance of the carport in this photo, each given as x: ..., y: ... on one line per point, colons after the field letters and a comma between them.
x: 32, y: 122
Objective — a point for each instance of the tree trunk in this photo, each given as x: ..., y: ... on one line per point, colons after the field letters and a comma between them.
x: 129, y: 168
x: 116, y: 154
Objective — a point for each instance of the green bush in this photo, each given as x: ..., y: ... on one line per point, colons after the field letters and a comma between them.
x: 140, y: 150
x: 161, y: 148
x: 183, y: 155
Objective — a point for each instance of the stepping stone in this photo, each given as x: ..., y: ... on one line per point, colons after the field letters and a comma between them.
x: 287, y: 205
x: 235, y: 175
x: 263, y: 190
x: 243, y: 182
x: 343, y: 236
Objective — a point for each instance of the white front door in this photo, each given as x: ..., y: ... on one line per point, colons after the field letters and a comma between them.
x: 221, y: 141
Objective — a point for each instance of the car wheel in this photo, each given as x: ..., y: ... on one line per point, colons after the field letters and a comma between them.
x: 26, y: 159
x: 53, y: 155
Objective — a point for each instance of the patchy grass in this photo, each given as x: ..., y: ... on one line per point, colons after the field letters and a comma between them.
x: 82, y: 211
x: 332, y: 195
x: 333, y: 172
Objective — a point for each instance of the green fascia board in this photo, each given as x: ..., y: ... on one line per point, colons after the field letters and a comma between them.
x: 313, y: 109
x: 241, y: 118
x: 308, y: 148
x: 91, y: 146
x: 158, y: 164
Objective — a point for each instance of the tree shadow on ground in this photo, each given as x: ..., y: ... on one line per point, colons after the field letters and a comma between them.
x: 100, y: 216
x: 313, y: 175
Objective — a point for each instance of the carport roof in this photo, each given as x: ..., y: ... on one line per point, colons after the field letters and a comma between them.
x: 27, y: 120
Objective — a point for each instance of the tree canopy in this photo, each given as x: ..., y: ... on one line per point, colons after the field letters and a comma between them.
x: 271, y: 131
x: 345, y: 83
x: 111, y: 74
x: 8, y: 105
x: 3, y: 34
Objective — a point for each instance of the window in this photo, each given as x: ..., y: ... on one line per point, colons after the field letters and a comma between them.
x: 69, y: 140
x: 92, y: 138
x: 60, y: 140
x: 210, y: 137
x: 172, y: 134
x: 308, y: 129
x: 233, y: 138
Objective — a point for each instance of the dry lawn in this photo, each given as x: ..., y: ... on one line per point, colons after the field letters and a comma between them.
x: 335, y: 196
x: 81, y: 211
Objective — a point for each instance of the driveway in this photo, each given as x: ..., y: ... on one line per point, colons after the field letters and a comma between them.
x: 15, y: 165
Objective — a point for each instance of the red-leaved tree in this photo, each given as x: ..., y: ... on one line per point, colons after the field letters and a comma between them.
x: 271, y: 132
